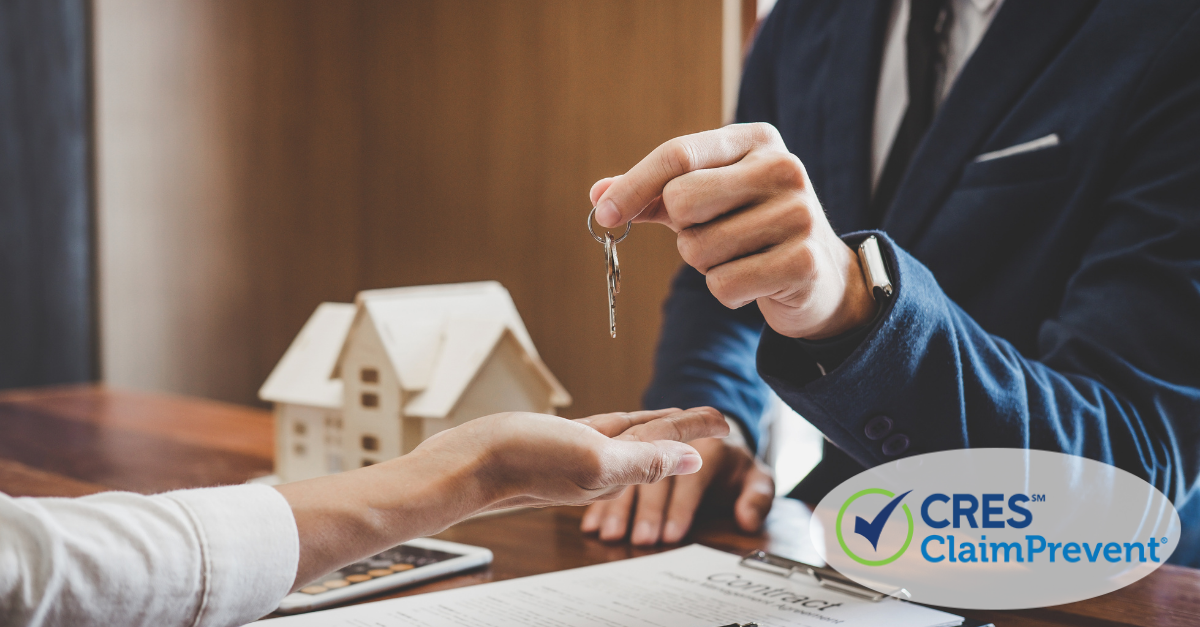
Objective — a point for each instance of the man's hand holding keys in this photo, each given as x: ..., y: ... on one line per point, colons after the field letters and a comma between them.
x: 747, y: 218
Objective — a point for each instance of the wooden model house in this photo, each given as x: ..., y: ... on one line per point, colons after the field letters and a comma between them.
x: 367, y: 382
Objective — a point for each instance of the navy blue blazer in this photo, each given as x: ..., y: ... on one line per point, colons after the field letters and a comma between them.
x: 1049, y: 299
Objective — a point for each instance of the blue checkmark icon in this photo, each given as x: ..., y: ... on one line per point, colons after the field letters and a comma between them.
x: 871, y: 530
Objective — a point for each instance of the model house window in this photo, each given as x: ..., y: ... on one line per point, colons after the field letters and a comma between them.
x: 370, y: 400
x: 300, y: 450
x: 300, y: 428
x: 367, y: 462
x: 369, y: 375
x: 370, y: 443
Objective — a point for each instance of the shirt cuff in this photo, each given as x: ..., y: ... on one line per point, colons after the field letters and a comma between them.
x: 250, y: 547
x: 831, y: 352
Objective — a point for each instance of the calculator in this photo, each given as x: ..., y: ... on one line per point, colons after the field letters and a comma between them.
x: 404, y: 565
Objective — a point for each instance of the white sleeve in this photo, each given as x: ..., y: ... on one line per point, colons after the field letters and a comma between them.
x: 207, y: 557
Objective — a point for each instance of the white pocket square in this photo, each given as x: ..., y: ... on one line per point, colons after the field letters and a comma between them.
x: 1029, y: 146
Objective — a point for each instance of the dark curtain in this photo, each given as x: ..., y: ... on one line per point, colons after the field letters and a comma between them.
x: 47, y: 331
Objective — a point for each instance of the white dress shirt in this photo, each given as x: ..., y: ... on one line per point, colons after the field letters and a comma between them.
x: 969, y: 21
x: 192, y: 558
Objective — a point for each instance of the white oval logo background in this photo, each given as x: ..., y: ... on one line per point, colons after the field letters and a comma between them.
x: 1085, y: 507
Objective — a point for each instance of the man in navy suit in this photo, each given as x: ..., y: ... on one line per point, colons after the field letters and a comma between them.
x: 1031, y: 172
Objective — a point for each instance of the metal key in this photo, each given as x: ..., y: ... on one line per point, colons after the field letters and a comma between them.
x: 613, y: 272
x: 612, y: 269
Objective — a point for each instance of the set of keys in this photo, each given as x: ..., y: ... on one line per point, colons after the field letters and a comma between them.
x: 612, y: 268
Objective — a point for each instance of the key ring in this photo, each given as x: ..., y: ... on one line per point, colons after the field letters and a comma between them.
x: 601, y: 239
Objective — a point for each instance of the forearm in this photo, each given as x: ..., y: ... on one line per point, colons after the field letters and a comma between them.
x: 502, y: 460
x: 346, y: 517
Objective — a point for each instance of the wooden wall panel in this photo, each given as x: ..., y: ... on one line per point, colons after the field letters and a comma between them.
x: 257, y: 158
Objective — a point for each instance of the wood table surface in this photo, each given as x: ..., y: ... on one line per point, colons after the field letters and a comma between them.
x: 73, y: 441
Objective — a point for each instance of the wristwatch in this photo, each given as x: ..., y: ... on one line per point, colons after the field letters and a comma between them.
x: 875, y: 273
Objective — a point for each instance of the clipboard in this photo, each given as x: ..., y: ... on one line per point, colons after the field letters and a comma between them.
x: 828, y: 578
x: 824, y: 575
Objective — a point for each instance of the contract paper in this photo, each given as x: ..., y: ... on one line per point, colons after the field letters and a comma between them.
x: 694, y: 586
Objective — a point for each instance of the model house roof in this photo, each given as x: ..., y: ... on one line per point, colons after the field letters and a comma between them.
x: 303, y: 375
x: 437, y: 337
x: 466, y: 347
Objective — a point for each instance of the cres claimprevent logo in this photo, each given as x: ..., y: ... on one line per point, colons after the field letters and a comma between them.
x: 995, y: 528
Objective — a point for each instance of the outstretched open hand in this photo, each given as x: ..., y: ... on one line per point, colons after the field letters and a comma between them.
x: 538, y: 460
x: 498, y: 461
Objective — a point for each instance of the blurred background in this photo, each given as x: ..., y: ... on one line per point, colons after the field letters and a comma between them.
x: 183, y: 181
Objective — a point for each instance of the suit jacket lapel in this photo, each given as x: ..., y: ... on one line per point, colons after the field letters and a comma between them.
x: 1024, y: 37
x: 848, y: 111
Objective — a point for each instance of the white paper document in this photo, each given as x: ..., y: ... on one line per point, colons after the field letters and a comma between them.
x: 693, y: 586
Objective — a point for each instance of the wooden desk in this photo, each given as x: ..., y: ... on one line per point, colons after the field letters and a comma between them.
x: 80, y: 440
